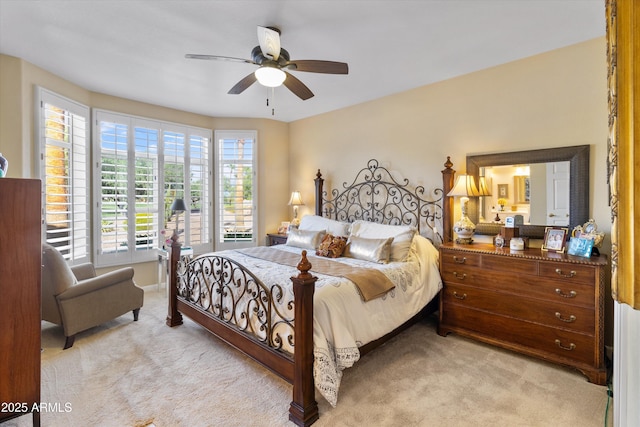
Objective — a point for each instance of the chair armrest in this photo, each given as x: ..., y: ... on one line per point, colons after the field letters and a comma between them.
x: 83, y: 271
x: 103, y: 281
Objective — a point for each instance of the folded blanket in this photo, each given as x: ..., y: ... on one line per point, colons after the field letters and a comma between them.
x: 371, y: 283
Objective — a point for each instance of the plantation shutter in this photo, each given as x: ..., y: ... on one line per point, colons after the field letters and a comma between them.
x: 114, y: 194
x: 145, y: 191
x: 199, y: 202
x: 235, y: 184
x: 174, y: 182
x: 64, y: 169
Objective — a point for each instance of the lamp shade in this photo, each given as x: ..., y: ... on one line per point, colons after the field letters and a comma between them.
x: 296, y: 199
x: 270, y: 76
x: 465, y: 186
x: 178, y: 205
x: 483, y: 187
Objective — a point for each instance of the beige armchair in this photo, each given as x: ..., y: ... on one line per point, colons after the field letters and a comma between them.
x: 77, y: 299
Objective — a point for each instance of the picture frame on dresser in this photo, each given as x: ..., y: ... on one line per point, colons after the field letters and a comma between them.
x: 580, y: 246
x: 555, y: 239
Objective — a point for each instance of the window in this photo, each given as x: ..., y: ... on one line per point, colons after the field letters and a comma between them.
x: 64, y: 170
x: 135, y: 215
x: 236, y: 160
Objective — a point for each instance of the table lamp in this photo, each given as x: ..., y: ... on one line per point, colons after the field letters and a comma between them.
x: 464, y: 187
x: 178, y: 207
x: 295, y: 201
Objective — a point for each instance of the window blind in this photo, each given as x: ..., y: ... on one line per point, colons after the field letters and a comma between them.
x: 63, y: 132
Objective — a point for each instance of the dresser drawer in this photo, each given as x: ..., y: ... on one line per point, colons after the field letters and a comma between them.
x: 523, y: 285
x: 462, y: 274
x: 503, y: 264
x: 557, y: 315
x: 453, y: 258
x: 569, y: 273
x: 527, y: 336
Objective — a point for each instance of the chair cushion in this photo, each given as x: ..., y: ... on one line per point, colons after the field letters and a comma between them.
x: 56, y: 270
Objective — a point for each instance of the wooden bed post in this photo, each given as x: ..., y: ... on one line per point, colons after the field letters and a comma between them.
x: 319, y: 183
x: 174, y: 318
x: 304, y: 408
x: 448, y: 175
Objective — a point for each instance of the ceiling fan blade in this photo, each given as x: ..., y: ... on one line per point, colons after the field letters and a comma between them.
x: 315, y: 66
x: 297, y: 87
x: 217, y: 58
x: 243, y: 84
x: 269, y: 39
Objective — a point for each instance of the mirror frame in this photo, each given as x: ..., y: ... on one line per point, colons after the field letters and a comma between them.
x: 578, y: 157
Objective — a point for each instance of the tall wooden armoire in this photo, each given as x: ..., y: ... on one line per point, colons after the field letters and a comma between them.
x: 20, y: 297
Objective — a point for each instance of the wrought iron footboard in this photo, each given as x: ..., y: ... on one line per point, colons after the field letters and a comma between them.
x: 229, y: 292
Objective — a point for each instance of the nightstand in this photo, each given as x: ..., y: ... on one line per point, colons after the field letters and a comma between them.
x: 276, y: 239
x: 163, y: 264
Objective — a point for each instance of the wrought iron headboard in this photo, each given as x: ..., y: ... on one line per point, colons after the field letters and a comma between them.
x: 375, y: 195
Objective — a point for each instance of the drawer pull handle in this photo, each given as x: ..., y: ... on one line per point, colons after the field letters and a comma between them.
x: 460, y: 260
x: 572, y: 346
x: 571, y: 318
x: 571, y: 294
x: 460, y: 276
x: 560, y: 273
x: 455, y: 295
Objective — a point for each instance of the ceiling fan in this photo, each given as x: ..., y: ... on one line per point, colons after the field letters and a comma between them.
x: 272, y: 61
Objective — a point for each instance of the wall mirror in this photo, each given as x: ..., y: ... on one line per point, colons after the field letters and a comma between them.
x: 577, y: 160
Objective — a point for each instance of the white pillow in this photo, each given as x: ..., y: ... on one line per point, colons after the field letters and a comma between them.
x: 305, y: 239
x: 374, y: 250
x: 402, y: 236
x: 331, y: 226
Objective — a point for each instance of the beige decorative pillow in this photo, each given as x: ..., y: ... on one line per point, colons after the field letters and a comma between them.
x: 375, y: 250
x: 332, y: 246
x: 402, y: 236
x: 306, y: 239
x: 331, y: 226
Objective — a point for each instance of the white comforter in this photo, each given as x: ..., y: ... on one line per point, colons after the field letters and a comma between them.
x: 342, y: 321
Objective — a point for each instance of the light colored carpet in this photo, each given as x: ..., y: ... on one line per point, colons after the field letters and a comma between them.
x: 127, y: 373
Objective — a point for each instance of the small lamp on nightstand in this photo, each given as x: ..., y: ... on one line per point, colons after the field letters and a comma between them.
x: 178, y: 207
x: 295, y: 201
x: 464, y: 187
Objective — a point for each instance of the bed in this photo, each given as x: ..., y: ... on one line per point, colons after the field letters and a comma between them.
x: 268, y: 301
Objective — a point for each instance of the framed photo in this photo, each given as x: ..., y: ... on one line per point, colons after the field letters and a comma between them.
x: 555, y: 239
x: 503, y: 191
x: 284, y: 227
x: 580, y: 246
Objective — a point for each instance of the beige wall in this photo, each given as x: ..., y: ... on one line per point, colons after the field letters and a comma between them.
x: 550, y: 100
x: 18, y: 79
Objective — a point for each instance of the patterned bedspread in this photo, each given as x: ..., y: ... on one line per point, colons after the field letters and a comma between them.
x: 342, y: 321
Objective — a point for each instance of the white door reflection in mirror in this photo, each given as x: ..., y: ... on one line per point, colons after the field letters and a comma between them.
x: 558, y: 193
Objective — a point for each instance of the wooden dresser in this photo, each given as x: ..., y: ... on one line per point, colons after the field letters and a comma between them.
x: 20, y: 271
x: 541, y: 304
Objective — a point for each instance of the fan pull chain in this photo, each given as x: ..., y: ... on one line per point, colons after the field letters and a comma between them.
x: 273, y: 95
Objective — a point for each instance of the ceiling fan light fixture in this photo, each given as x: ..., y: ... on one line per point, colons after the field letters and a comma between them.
x: 270, y: 76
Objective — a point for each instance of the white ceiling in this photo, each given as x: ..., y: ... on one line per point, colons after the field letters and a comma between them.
x: 135, y: 49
